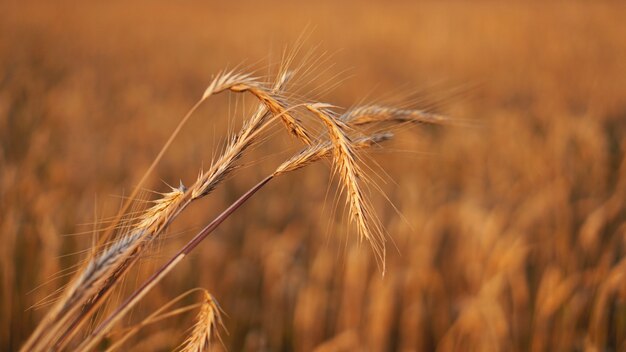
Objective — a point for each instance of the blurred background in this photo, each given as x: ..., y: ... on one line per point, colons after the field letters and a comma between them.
x: 510, y: 230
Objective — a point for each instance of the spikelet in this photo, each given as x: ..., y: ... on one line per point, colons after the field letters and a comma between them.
x: 154, y: 214
x: 226, y: 80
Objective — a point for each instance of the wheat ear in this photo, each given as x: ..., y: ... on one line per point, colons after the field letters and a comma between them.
x: 349, y: 172
x: 246, y: 83
x: 207, y: 322
x: 368, y: 114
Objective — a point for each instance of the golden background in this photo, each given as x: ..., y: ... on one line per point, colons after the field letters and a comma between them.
x: 512, y: 222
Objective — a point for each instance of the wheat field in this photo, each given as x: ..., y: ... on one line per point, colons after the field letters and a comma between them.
x: 498, y: 219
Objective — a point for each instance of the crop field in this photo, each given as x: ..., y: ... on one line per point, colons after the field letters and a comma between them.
x: 439, y: 175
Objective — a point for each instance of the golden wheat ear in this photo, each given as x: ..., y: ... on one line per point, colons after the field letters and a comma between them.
x: 238, y: 82
x: 345, y: 163
x: 205, y: 330
x: 208, y: 321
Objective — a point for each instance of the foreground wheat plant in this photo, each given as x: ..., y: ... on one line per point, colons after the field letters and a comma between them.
x: 345, y: 136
